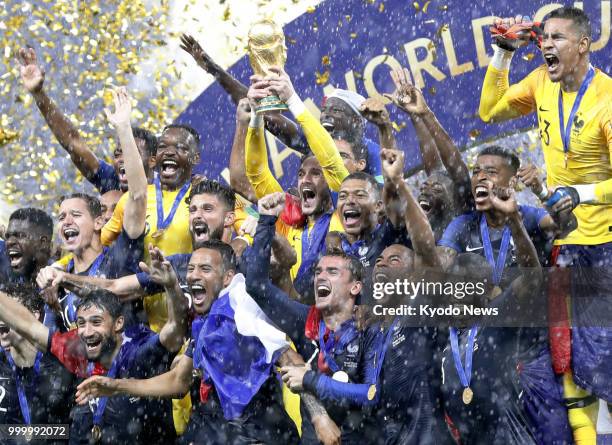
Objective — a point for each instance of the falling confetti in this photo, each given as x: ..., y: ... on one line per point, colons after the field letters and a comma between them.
x: 432, y: 90
x: 381, y: 7
x: 474, y: 134
x: 325, y: 60
x: 442, y: 29
x: 528, y: 56
x: 322, y: 78
x: 425, y: 6
x: 416, y: 6
x: 310, y: 9
x: 83, y: 46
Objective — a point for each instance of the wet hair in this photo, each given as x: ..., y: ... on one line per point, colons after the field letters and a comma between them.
x: 149, y: 138
x: 362, y: 176
x: 577, y: 16
x: 93, y: 204
x: 211, y: 187
x: 496, y: 150
x: 358, y: 148
x: 192, y: 131
x: 225, y: 250
x: 354, y: 265
x: 38, y: 218
x: 28, y: 295
x: 103, y: 299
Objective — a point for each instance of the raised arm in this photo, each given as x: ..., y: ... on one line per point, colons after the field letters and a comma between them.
x: 288, y: 314
x: 319, y: 140
x: 21, y: 320
x: 417, y: 224
x: 410, y: 99
x: 136, y: 204
x: 256, y: 154
x: 238, y: 177
x: 174, y: 383
x: 498, y: 100
x: 33, y: 77
x: 393, y: 167
x: 281, y: 127
x: 374, y: 111
x: 161, y: 272
x: 405, y: 98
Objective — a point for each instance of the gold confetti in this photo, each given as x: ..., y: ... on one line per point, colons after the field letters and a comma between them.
x: 325, y: 60
x: 347, y: 18
x: 425, y: 6
x: 310, y: 9
x: 528, y: 56
x: 474, y: 134
x: 416, y: 6
x: 7, y: 136
x: 86, y: 46
x: 442, y: 29
x: 226, y: 14
x: 353, y: 35
x: 322, y: 78
x: 381, y: 7
x: 443, y: 7
x: 432, y: 90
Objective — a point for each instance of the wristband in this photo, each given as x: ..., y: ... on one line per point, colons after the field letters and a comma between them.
x: 295, y: 105
x: 543, y: 194
x: 256, y: 120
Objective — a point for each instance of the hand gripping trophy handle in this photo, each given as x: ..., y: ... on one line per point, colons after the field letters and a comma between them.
x: 267, y: 48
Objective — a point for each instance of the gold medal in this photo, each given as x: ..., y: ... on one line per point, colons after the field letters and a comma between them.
x: 496, y: 291
x: 96, y: 433
x: 372, y: 392
x: 158, y: 233
x: 468, y: 395
x: 341, y: 376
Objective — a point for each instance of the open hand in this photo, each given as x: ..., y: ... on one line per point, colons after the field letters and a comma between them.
x: 32, y: 74
x: 193, y: 48
x: 123, y: 108
x: 160, y: 270
x: 96, y: 386
x: 406, y: 96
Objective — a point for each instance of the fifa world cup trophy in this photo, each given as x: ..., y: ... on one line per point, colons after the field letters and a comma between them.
x: 267, y: 48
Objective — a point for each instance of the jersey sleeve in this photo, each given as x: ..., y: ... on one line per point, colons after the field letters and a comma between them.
x: 113, y: 228
x: 499, y: 101
x: 105, y: 179
x: 256, y: 160
x: 456, y: 233
x: 124, y: 255
x: 69, y: 350
x: 324, y: 149
x: 603, y: 190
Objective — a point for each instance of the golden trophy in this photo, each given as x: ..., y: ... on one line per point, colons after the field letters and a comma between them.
x: 267, y: 48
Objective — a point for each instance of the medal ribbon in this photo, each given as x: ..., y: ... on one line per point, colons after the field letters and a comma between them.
x: 70, y: 297
x: 380, y: 356
x: 162, y: 223
x: 21, y: 392
x: 498, y: 266
x: 314, y: 244
x: 112, y: 372
x: 465, y: 375
x: 331, y: 345
x: 566, y: 131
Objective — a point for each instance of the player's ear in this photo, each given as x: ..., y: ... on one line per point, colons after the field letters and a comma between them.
x: 98, y: 223
x: 228, y: 276
x: 119, y: 324
x: 356, y: 288
x: 152, y: 162
x: 361, y: 165
x: 229, y: 219
x: 584, y: 44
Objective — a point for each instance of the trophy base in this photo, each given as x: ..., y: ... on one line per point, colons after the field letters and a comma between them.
x: 270, y: 103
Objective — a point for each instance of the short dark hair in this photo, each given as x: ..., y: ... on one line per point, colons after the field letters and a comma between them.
x: 577, y: 16
x: 358, y: 148
x: 363, y: 176
x: 354, y: 265
x: 149, y: 138
x: 37, y: 217
x: 225, y: 250
x: 211, y: 187
x: 496, y: 150
x: 102, y: 299
x: 93, y: 204
x: 188, y: 129
x: 28, y: 295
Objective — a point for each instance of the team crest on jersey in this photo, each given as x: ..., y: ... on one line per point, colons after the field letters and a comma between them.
x: 577, y: 123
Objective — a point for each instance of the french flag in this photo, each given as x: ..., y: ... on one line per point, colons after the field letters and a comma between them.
x: 237, y: 347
